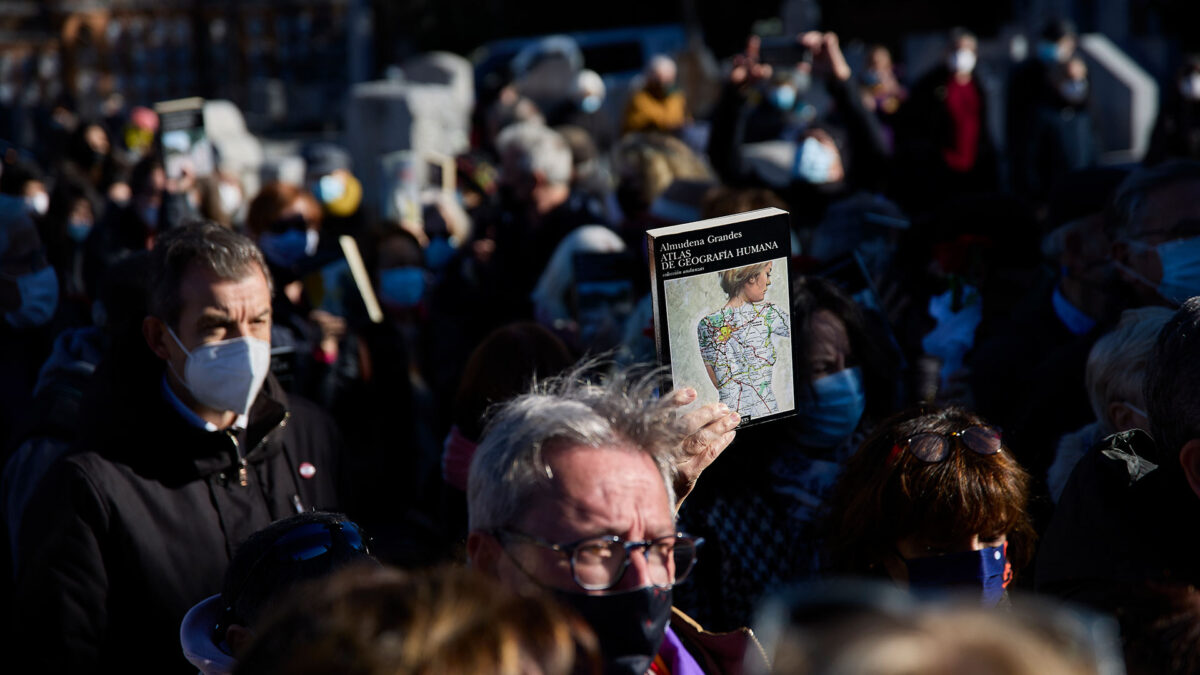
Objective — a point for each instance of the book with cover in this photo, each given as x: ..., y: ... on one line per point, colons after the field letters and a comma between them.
x: 722, y: 311
x: 184, y: 141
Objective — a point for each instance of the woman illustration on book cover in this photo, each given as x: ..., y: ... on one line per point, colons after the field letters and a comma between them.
x: 736, y: 341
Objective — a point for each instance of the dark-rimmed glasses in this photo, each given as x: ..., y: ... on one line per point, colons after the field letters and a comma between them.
x: 932, y: 447
x: 599, y: 563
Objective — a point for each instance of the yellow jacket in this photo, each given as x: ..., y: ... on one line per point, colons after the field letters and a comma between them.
x: 646, y: 112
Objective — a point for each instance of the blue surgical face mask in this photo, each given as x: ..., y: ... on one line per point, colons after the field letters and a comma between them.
x: 149, y: 215
x: 591, y: 104
x: 814, y: 161
x: 330, y: 188
x: 1180, y: 261
x: 783, y: 97
x: 285, y: 249
x: 438, y: 253
x: 402, y: 287
x: 39, y: 299
x: 78, y: 230
x: 1047, y: 51
x: 986, y: 570
x: 829, y: 419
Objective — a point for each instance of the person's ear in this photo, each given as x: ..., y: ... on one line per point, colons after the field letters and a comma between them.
x: 483, y: 553
x: 1189, y: 459
x: 236, y: 636
x: 155, y: 333
x: 1121, y: 417
x: 1072, y: 252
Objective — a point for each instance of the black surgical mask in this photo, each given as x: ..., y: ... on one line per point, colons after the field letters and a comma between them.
x: 629, y: 625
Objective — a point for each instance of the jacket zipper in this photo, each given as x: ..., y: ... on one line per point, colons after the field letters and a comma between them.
x: 243, y: 475
x: 243, y: 479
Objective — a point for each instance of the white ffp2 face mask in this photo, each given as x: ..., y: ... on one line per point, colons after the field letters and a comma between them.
x: 962, y: 61
x: 226, y: 375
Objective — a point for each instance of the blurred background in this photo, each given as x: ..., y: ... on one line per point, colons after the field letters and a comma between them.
x: 292, y: 67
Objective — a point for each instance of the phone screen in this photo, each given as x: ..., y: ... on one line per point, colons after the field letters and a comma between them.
x: 783, y: 51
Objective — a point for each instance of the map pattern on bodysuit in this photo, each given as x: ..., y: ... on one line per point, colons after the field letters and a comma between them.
x: 736, y: 342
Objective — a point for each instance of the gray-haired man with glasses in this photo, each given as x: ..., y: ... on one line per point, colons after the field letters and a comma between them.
x: 574, y: 490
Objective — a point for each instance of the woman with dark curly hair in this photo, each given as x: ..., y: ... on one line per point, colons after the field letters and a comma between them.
x: 933, y: 499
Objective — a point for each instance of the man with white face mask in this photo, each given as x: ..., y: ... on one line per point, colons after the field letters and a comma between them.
x: 944, y: 141
x: 191, y: 448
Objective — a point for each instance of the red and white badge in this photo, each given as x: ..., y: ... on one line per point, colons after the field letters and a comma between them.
x: 307, y: 470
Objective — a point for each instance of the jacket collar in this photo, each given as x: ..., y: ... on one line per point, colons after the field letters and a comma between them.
x: 718, y: 652
x: 149, y: 433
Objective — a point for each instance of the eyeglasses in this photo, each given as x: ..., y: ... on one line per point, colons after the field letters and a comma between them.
x: 599, y: 563
x: 931, y: 447
x: 306, y: 542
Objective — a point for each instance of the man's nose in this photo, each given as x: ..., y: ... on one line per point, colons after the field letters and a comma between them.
x: 237, y: 330
x: 637, y: 574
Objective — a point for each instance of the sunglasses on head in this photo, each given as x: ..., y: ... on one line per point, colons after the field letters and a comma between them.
x: 305, y: 542
x: 932, y: 447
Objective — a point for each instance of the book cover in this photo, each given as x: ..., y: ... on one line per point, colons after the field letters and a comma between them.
x: 183, y: 139
x: 722, y: 311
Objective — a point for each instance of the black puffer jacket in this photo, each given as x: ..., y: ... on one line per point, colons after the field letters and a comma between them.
x: 139, y: 523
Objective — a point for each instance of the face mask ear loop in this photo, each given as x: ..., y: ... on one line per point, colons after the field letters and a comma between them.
x: 1143, y: 280
x: 517, y: 563
x: 185, y: 351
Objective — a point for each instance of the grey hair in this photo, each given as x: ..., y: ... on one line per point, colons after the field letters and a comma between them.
x: 660, y: 62
x: 1172, y: 399
x: 509, y: 467
x: 1132, y: 192
x: 540, y: 148
x: 1116, y: 365
x: 218, y: 249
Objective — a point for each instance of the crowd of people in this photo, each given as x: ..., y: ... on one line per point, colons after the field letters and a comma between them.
x: 220, y: 456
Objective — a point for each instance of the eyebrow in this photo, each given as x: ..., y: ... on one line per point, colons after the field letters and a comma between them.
x: 213, y: 316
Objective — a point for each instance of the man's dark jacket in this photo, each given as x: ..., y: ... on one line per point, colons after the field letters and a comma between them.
x: 1125, y: 517
x: 138, y: 524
